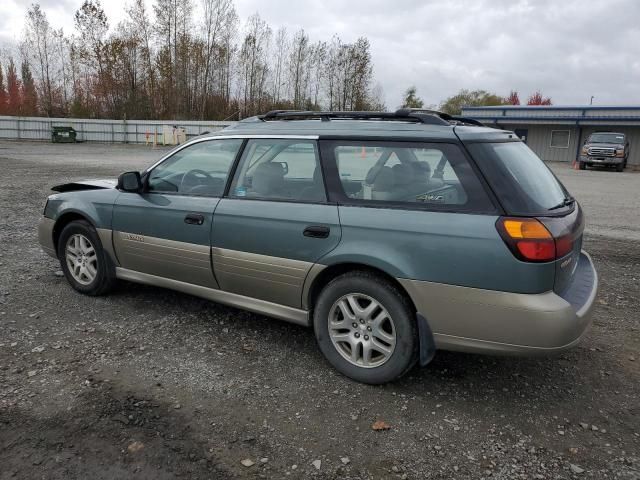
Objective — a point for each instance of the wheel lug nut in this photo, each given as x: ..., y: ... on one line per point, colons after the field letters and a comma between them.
x: 354, y: 325
x: 361, y: 320
x: 366, y: 337
x: 357, y: 335
x: 368, y: 329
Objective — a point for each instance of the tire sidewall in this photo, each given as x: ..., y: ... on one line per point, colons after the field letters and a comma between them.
x: 404, y: 355
x: 85, y: 229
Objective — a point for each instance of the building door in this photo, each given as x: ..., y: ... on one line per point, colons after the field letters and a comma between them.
x: 522, y: 134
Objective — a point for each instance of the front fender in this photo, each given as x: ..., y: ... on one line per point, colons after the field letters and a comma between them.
x: 94, y: 205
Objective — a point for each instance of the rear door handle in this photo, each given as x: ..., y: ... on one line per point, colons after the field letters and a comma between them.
x: 317, y: 231
x: 194, y: 219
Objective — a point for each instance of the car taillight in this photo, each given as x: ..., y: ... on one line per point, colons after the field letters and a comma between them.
x: 531, y: 241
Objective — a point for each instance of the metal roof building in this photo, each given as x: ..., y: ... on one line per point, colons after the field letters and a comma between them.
x: 556, y: 133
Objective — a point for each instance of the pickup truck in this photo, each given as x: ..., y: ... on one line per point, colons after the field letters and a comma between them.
x: 605, y: 148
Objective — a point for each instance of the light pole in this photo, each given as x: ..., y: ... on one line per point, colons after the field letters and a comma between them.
x: 591, y: 101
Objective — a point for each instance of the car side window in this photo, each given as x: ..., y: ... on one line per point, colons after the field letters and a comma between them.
x: 433, y: 175
x: 200, y: 169
x: 279, y: 169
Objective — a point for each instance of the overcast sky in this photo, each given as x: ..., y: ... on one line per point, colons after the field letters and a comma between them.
x: 569, y: 49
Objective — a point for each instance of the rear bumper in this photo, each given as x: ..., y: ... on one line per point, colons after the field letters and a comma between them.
x: 45, y: 236
x: 488, y: 321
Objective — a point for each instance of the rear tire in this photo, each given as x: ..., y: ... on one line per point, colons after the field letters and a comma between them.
x: 85, y: 264
x: 383, y: 344
x: 582, y: 166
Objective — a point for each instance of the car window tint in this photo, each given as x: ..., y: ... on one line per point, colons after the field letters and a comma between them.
x: 279, y: 170
x: 522, y: 181
x: 199, y: 169
x: 436, y: 174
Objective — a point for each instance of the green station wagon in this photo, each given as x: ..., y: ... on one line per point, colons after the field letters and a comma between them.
x: 392, y: 234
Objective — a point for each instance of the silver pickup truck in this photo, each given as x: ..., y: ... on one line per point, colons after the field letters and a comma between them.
x: 605, y: 148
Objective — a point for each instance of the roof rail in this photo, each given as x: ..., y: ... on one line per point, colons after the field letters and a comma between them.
x: 401, y: 115
x: 452, y: 119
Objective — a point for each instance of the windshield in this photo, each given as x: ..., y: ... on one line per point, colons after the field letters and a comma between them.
x: 523, y: 183
x: 606, y: 138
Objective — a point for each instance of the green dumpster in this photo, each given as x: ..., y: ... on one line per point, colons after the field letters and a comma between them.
x: 63, y: 135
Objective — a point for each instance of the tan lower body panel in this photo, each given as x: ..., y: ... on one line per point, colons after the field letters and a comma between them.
x: 185, y: 262
x: 273, y: 279
x: 106, y: 238
x: 473, y: 319
x: 282, y: 312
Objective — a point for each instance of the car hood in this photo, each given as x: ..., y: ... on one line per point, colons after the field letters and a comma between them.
x: 85, y: 185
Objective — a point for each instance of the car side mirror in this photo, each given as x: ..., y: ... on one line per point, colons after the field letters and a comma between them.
x: 130, y: 182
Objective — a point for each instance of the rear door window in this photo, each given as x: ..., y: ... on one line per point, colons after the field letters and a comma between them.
x: 279, y: 169
x: 431, y: 176
x: 522, y: 182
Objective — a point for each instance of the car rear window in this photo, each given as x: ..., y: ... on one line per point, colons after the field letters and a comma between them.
x: 523, y: 183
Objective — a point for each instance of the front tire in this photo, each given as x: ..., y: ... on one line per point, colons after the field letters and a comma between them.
x: 620, y: 167
x: 366, y: 328
x: 86, y: 266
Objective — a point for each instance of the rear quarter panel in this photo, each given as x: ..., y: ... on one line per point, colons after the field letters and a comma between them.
x: 450, y: 248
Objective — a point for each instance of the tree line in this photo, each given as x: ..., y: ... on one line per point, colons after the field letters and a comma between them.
x: 473, y: 98
x: 180, y: 60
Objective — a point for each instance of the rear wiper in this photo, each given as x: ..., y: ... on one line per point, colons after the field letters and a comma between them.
x: 566, y: 201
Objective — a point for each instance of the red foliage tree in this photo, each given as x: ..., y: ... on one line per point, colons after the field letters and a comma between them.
x: 14, y: 102
x: 537, y: 99
x: 3, y: 94
x: 513, y: 98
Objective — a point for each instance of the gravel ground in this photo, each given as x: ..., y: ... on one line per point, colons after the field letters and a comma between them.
x: 149, y: 383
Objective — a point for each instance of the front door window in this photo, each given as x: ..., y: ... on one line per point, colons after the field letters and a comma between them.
x: 199, y: 169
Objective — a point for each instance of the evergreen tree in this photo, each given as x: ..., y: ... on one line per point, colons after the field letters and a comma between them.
x: 29, y: 94
x: 3, y: 94
x: 14, y: 102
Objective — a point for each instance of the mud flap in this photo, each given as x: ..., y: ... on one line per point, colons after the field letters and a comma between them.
x: 427, y: 344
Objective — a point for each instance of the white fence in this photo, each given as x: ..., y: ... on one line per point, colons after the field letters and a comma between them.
x: 107, y: 131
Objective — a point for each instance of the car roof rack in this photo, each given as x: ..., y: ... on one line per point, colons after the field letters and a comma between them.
x: 451, y: 119
x: 406, y: 115
x: 417, y: 115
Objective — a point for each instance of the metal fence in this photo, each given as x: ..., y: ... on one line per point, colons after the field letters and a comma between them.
x: 107, y: 131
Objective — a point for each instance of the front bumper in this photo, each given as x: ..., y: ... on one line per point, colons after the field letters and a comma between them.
x: 487, y: 321
x: 601, y: 160
x: 45, y: 236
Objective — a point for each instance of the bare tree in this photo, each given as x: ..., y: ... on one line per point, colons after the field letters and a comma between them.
x: 280, y: 57
x: 173, y: 65
x: 38, y: 34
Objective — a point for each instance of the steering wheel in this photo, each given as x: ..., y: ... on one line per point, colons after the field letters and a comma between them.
x: 194, y: 178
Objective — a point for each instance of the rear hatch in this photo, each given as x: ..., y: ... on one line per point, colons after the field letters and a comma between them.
x: 530, y: 193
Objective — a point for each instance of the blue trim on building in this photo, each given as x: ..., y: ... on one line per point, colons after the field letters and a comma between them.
x: 559, y: 108
x: 577, y: 120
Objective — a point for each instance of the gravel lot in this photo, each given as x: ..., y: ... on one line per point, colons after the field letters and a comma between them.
x: 148, y: 383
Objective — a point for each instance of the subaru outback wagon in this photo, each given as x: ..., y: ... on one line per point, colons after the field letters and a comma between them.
x: 392, y: 234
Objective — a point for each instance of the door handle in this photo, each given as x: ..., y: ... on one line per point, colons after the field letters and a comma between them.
x: 194, y: 219
x: 316, y: 231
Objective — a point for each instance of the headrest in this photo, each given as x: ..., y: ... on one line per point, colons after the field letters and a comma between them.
x: 402, y: 174
x: 384, y: 180
x: 267, y: 178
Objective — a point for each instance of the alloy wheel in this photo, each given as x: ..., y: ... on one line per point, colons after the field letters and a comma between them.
x: 362, y: 330
x: 81, y: 258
